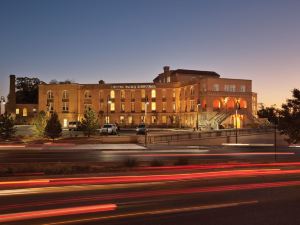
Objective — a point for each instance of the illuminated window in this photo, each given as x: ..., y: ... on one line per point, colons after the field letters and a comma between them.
x: 50, y: 106
x: 153, y: 119
x: 174, y: 107
x: 112, y: 94
x: 216, y: 104
x: 107, y: 119
x: 168, y: 79
x: 65, y: 123
x: 142, y: 119
x: 132, y: 95
x: 122, y: 119
x: 122, y: 94
x: 143, y: 93
x: 143, y: 106
x: 153, y: 93
x: 112, y: 106
x: 132, y: 107
x: 164, y: 119
x: 65, y: 94
x: 17, y: 111
x: 24, y: 111
x: 192, y: 106
x: 164, y: 106
x: 123, y: 107
x: 174, y: 93
x: 87, y: 94
x: 153, y: 106
x: 130, y: 119
x: 49, y: 94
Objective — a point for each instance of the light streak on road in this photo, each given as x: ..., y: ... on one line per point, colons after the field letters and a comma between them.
x: 214, y: 154
x: 159, y: 212
x: 56, y: 212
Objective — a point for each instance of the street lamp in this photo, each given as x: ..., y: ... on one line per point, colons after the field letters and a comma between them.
x: 198, y: 105
x: 237, y: 106
x: 2, y: 103
x: 146, y: 104
x: 107, y: 105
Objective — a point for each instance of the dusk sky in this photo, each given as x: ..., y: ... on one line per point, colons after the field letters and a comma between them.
x: 131, y: 40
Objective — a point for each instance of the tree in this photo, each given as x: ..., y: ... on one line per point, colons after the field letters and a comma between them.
x: 40, y: 123
x: 289, y: 118
x: 53, y: 128
x: 27, y: 90
x: 269, y: 113
x: 7, y: 126
x: 89, y: 123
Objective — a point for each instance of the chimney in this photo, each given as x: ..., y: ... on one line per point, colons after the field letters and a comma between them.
x: 166, y: 69
x: 12, y: 94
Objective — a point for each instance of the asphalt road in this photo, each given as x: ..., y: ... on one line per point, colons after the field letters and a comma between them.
x: 193, y: 153
x: 260, y: 196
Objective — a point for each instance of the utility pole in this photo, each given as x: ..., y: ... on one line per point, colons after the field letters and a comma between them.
x: 146, y: 104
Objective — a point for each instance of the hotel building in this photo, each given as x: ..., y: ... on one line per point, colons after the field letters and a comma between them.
x: 175, y: 98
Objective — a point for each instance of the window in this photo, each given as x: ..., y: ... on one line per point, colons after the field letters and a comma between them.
x: 65, y: 123
x: 143, y: 106
x: 132, y: 95
x: 164, y: 106
x: 216, y: 87
x: 101, y: 106
x: 153, y: 93
x: 232, y: 88
x: 50, y: 107
x: 122, y: 94
x: 87, y: 107
x: 142, y: 119
x: 17, y: 111
x: 130, y: 119
x: 143, y: 93
x: 174, y: 93
x: 229, y: 87
x: 112, y: 106
x: 101, y: 96
x: 242, y: 88
x: 112, y: 94
x: 164, y: 119
x: 153, y: 119
x: 123, y: 107
x: 65, y: 94
x: 192, y: 91
x: 65, y: 107
x: 49, y: 94
x: 132, y: 107
x: 192, y: 106
x: 174, y: 107
x: 122, y: 119
x: 168, y: 79
x: 107, y: 119
x: 87, y: 94
x: 163, y: 93
x: 153, y: 106
x: 25, y: 112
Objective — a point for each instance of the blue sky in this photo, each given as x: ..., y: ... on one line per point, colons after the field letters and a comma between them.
x: 131, y: 40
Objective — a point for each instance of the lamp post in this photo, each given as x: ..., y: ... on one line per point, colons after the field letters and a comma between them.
x: 2, y: 104
x: 198, y: 105
x: 107, y: 119
x: 237, y: 106
x: 146, y: 104
x: 275, y: 135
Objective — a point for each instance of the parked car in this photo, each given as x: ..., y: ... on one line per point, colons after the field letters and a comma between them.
x: 74, y: 125
x: 109, y: 129
x: 141, y: 129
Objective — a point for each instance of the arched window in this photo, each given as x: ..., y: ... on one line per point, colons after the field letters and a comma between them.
x: 192, y: 91
x: 112, y: 94
x: 49, y: 94
x: 65, y: 94
x: 231, y: 104
x: 87, y: 94
x: 243, y: 104
x: 216, y: 104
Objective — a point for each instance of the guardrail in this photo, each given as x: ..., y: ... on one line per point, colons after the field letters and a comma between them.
x: 166, y: 138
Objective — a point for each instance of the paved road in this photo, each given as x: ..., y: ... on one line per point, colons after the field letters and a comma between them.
x: 260, y: 196
x: 195, y: 154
